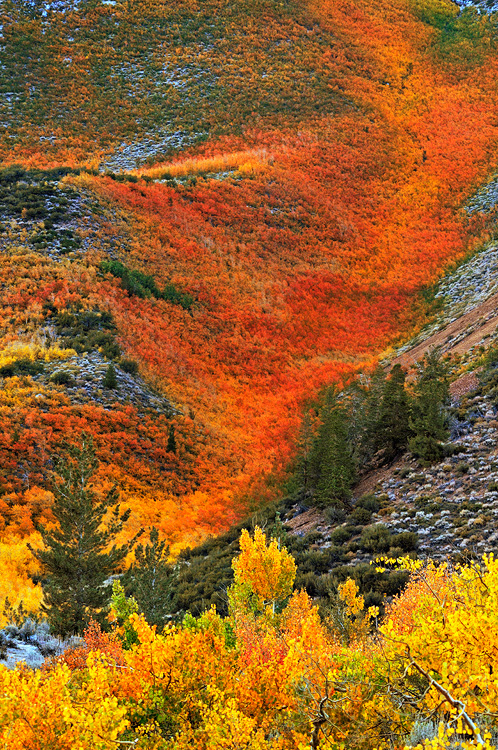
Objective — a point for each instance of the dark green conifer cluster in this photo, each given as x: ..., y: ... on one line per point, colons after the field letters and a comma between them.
x: 371, y: 423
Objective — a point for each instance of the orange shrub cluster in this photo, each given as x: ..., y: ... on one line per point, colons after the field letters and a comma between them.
x: 273, y: 675
x: 343, y: 140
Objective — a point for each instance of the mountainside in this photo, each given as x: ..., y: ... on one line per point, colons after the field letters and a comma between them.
x: 444, y: 512
x: 209, y: 211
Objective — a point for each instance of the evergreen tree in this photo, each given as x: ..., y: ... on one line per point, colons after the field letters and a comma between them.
x: 76, y: 559
x: 110, y: 380
x: 332, y: 466
x: 306, y: 438
x: 366, y: 400
x: 149, y: 581
x: 393, y: 429
x: 429, y: 419
x: 171, y: 447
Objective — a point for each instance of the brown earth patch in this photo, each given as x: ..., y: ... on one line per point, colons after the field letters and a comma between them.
x: 305, y: 522
x: 464, y: 384
x: 480, y: 322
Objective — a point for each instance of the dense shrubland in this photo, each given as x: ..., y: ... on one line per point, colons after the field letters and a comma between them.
x: 294, y: 175
x: 272, y: 673
x: 276, y: 257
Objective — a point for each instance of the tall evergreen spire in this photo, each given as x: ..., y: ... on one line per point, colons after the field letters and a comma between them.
x: 76, y: 557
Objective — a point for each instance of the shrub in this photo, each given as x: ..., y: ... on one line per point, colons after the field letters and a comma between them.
x: 129, y: 365
x: 370, y: 502
x: 87, y: 330
x: 334, y: 514
x: 315, y: 586
x: 341, y: 535
x: 373, y: 599
x: 407, y: 540
x: 143, y: 285
x: 22, y: 367
x: 361, y: 516
x: 314, y: 561
x: 376, y: 539
x: 396, y: 580
x: 8, y: 370
x: 62, y: 378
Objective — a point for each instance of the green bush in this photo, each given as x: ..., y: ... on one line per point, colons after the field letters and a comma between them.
x: 333, y: 514
x: 22, y: 367
x: 395, y: 581
x: 376, y: 539
x: 407, y: 540
x: 144, y: 286
x: 129, y: 365
x: 62, y: 378
x: 361, y: 516
x: 341, y: 535
x: 88, y: 330
x: 370, y: 502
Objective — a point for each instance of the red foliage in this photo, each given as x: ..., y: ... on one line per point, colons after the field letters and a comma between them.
x: 94, y: 639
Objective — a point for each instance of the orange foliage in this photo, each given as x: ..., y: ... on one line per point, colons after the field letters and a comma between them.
x: 305, y: 240
x: 94, y: 639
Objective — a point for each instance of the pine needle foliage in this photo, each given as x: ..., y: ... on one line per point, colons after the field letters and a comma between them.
x: 150, y: 580
x: 110, y: 380
x: 79, y: 554
x: 393, y: 429
x: 429, y: 421
x: 331, y: 461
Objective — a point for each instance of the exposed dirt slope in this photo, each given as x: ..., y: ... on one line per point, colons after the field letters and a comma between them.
x: 460, y: 336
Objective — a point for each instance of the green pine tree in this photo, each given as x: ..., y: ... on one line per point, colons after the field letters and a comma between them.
x: 332, y: 466
x: 429, y: 417
x: 365, y: 399
x: 110, y: 380
x: 393, y: 427
x: 149, y: 580
x: 306, y: 438
x: 76, y: 559
x: 171, y: 446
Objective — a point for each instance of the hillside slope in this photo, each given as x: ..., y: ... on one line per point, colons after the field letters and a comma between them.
x: 287, y: 179
x: 446, y: 511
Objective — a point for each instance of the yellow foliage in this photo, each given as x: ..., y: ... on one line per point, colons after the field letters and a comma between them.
x: 263, y: 572
x: 348, y: 593
x: 243, y: 161
x: 16, y: 565
x: 273, y: 675
x: 44, y: 711
x: 19, y: 350
x: 445, y: 625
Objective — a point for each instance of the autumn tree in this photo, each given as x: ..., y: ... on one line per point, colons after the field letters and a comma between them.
x: 80, y: 553
x: 263, y: 574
